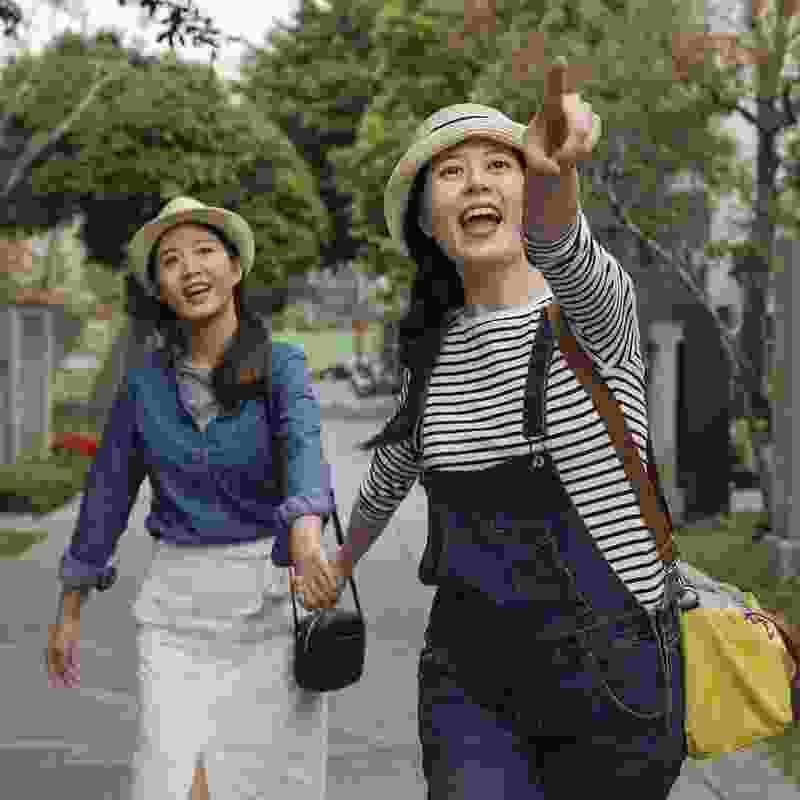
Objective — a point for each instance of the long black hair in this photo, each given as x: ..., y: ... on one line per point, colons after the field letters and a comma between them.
x: 252, y: 331
x: 437, y: 289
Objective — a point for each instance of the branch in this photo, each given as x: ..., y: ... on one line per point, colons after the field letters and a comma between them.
x: 790, y: 108
x: 717, y: 97
x: 241, y: 40
x: 33, y: 151
x: 739, y: 364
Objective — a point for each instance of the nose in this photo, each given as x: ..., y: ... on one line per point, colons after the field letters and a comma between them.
x: 189, y: 267
x: 476, y: 179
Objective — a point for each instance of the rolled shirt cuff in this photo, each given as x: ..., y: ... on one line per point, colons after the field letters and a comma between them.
x: 75, y: 574
x: 318, y: 503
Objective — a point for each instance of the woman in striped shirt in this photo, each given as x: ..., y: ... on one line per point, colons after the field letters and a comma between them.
x: 551, y: 662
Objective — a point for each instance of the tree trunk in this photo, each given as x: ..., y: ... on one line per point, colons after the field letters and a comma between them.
x: 755, y: 276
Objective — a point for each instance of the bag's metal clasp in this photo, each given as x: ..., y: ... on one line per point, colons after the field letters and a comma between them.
x: 536, y: 460
x: 686, y: 596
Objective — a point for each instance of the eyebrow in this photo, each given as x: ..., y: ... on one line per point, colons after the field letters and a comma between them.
x: 196, y: 241
x: 486, y: 151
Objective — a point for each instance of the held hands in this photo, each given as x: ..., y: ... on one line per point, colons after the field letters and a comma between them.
x: 318, y: 581
x: 564, y: 131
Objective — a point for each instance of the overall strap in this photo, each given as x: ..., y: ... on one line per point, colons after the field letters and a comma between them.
x: 657, y: 517
x: 533, y: 413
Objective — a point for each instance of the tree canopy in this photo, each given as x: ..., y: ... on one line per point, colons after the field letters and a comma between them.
x: 156, y: 128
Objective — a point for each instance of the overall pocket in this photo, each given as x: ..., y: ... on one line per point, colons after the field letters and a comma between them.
x: 631, y: 672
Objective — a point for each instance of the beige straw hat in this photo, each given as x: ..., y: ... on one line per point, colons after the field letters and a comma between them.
x: 187, y: 209
x: 447, y: 127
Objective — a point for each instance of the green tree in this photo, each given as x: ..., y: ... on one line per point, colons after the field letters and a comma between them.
x: 158, y: 128
x: 660, y: 123
x: 314, y: 77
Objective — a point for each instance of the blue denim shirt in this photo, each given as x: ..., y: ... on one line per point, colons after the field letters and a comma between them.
x: 208, y: 485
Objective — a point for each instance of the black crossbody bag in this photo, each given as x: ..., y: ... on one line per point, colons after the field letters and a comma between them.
x: 330, y: 643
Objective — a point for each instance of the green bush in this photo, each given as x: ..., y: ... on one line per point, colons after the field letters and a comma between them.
x: 48, y: 485
x: 15, y: 543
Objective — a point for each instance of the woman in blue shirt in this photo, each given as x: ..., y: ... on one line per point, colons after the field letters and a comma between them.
x: 213, y: 614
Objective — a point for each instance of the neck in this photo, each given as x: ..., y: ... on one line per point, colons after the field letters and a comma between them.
x: 208, y: 338
x: 511, y: 286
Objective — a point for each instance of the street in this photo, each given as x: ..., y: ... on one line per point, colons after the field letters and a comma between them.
x: 77, y: 744
x: 80, y: 741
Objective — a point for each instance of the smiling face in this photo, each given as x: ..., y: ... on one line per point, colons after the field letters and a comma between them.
x: 196, y: 275
x: 477, y: 191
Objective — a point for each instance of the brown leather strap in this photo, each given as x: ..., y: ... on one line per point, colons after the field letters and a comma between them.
x: 658, y: 522
x: 608, y: 407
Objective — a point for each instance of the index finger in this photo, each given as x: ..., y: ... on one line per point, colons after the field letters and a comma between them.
x: 555, y: 81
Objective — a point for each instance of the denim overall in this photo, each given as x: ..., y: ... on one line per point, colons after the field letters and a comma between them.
x: 542, y: 676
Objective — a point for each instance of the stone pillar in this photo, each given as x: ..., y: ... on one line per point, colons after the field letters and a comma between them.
x: 784, y: 541
x: 27, y: 363
x: 663, y: 400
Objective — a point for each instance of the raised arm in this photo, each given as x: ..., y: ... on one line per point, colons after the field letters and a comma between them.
x: 596, y: 295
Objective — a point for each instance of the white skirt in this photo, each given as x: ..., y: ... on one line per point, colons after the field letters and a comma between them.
x: 216, y: 646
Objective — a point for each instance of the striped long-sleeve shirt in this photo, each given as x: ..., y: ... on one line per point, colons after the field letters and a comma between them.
x: 474, y: 412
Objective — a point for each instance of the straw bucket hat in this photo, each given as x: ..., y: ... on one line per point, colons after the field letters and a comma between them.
x: 447, y: 127
x: 182, y: 210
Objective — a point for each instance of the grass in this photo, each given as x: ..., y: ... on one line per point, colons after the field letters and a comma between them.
x: 15, y: 543
x: 727, y: 552
x: 326, y: 348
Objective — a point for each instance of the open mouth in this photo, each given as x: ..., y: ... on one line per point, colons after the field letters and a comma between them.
x: 481, y: 221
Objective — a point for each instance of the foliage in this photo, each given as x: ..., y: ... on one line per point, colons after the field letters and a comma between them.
x: 157, y: 128
x: 419, y: 70
x: 46, y: 485
x: 314, y: 79
x: 14, y: 543
x: 183, y: 20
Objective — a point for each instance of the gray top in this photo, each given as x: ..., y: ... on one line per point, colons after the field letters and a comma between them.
x: 194, y: 385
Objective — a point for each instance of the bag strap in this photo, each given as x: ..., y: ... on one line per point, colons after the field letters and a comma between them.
x: 281, y: 462
x: 657, y: 519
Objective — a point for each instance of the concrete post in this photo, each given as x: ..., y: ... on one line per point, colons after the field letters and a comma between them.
x: 665, y: 336
x: 27, y: 359
x: 784, y: 541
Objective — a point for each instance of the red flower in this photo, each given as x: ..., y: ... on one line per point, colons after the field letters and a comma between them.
x: 87, y: 445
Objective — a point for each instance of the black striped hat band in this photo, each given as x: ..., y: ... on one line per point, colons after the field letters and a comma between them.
x: 459, y: 119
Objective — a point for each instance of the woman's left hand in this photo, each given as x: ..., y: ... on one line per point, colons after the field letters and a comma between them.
x: 564, y: 131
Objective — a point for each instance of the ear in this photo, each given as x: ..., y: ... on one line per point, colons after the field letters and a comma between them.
x: 236, y: 266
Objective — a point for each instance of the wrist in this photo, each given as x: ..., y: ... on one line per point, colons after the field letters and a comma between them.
x: 344, y: 559
x: 70, y: 607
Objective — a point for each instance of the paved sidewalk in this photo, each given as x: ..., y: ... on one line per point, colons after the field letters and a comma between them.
x: 78, y: 743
